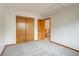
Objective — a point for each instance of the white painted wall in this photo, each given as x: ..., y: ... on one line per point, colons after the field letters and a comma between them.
x: 1, y: 28
x: 10, y: 24
x: 65, y: 27
x: 1, y: 25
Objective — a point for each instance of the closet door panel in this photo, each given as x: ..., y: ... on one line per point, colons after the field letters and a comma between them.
x: 20, y: 29
x: 29, y: 29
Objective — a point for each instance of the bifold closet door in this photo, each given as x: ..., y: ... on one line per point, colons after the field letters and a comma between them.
x: 29, y: 29
x: 20, y: 29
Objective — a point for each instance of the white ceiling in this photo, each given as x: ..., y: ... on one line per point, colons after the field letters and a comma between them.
x: 37, y: 8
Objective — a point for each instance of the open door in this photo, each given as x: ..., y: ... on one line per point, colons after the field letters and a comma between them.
x: 41, y: 29
x: 47, y: 28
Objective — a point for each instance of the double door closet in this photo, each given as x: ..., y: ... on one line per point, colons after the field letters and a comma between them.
x: 24, y: 29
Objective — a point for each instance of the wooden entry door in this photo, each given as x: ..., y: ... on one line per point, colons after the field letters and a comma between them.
x: 20, y: 29
x: 30, y: 29
x: 24, y: 29
x: 41, y: 29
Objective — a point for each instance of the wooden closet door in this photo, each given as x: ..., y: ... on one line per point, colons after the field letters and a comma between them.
x: 20, y: 29
x: 29, y: 29
x: 41, y: 29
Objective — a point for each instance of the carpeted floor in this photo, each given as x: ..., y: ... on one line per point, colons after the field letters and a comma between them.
x: 42, y: 48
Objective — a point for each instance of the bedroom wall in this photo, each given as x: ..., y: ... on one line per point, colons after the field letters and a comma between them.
x: 65, y: 27
x: 1, y: 25
x: 10, y: 24
x: 1, y: 28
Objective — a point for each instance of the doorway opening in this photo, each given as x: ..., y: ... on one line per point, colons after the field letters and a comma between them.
x: 48, y: 29
x: 44, y: 29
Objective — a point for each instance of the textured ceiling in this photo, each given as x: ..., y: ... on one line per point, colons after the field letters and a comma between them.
x: 38, y: 8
